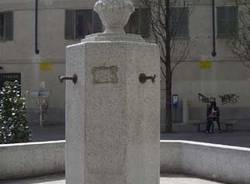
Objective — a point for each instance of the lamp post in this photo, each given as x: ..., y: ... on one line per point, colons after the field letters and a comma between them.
x: 36, y: 27
x: 213, y: 25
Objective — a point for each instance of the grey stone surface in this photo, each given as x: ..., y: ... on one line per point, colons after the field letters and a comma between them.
x: 47, y: 132
x: 54, y: 116
x: 114, y: 37
x: 112, y: 129
x: 229, y: 164
x: 114, y: 14
x: 182, y: 132
x: 232, y: 138
x: 113, y: 120
x: 238, y: 113
x: 217, y: 162
x: 31, y: 159
x: 166, y: 179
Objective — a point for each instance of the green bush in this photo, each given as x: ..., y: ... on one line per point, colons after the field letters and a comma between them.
x: 13, y: 122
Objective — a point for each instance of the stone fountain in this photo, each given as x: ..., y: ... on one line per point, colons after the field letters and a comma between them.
x: 113, y: 104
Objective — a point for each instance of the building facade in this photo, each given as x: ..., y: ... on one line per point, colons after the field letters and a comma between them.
x: 223, y: 76
x: 64, y: 22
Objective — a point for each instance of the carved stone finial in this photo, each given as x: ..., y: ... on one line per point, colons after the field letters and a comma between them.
x: 114, y: 14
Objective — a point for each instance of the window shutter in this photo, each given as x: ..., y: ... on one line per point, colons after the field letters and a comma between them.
x: 8, y: 25
x: 233, y: 28
x: 10, y: 77
x: 172, y: 24
x: 70, y: 24
x: 227, y: 22
x: 83, y: 23
x: 185, y: 22
x: 179, y: 22
x: 220, y: 21
x: 97, y: 24
x: 1, y: 26
x: 133, y: 23
x: 139, y: 23
x: 145, y: 20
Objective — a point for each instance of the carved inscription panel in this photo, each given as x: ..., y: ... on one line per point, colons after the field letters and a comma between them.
x: 105, y: 74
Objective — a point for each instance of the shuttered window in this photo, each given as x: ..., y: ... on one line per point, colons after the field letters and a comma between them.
x: 179, y: 22
x: 11, y: 77
x: 6, y: 26
x: 139, y: 22
x: 79, y: 23
x: 227, y: 21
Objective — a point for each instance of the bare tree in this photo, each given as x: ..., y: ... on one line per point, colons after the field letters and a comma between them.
x: 166, y: 26
x: 240, y: 42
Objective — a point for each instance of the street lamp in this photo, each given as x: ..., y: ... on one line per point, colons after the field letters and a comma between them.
x: 213, y: 24
x: 36, y: 27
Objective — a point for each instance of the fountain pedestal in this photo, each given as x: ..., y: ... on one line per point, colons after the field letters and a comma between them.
x: 112, y: 114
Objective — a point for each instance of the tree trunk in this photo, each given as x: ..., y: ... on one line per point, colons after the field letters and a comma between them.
x: 168, y: 104
x: 168, y: 127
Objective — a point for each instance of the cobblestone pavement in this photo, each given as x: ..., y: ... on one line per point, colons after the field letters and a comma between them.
x: 59, y: 179
x: 47, y: 133
x: 235, y: 138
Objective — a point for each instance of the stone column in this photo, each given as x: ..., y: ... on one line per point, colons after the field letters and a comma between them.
x: 113, y: 119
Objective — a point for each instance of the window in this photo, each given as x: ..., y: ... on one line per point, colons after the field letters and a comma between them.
x: 139, y: 22
x: 79, y: 23
x: 6, y: 26
x: 179, y: 22
x: 9, y: 77
x: 227, y: 21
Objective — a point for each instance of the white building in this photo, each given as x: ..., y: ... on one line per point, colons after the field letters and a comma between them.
x: 64, y: 22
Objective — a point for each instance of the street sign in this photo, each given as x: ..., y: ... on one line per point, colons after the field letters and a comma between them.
x: 205, y: 64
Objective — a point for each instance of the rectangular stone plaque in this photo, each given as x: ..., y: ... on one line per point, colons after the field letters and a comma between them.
x: 105, y: 74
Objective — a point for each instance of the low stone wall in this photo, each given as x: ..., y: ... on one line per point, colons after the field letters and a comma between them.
x: 31, y: 159
x: 217, y: 162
